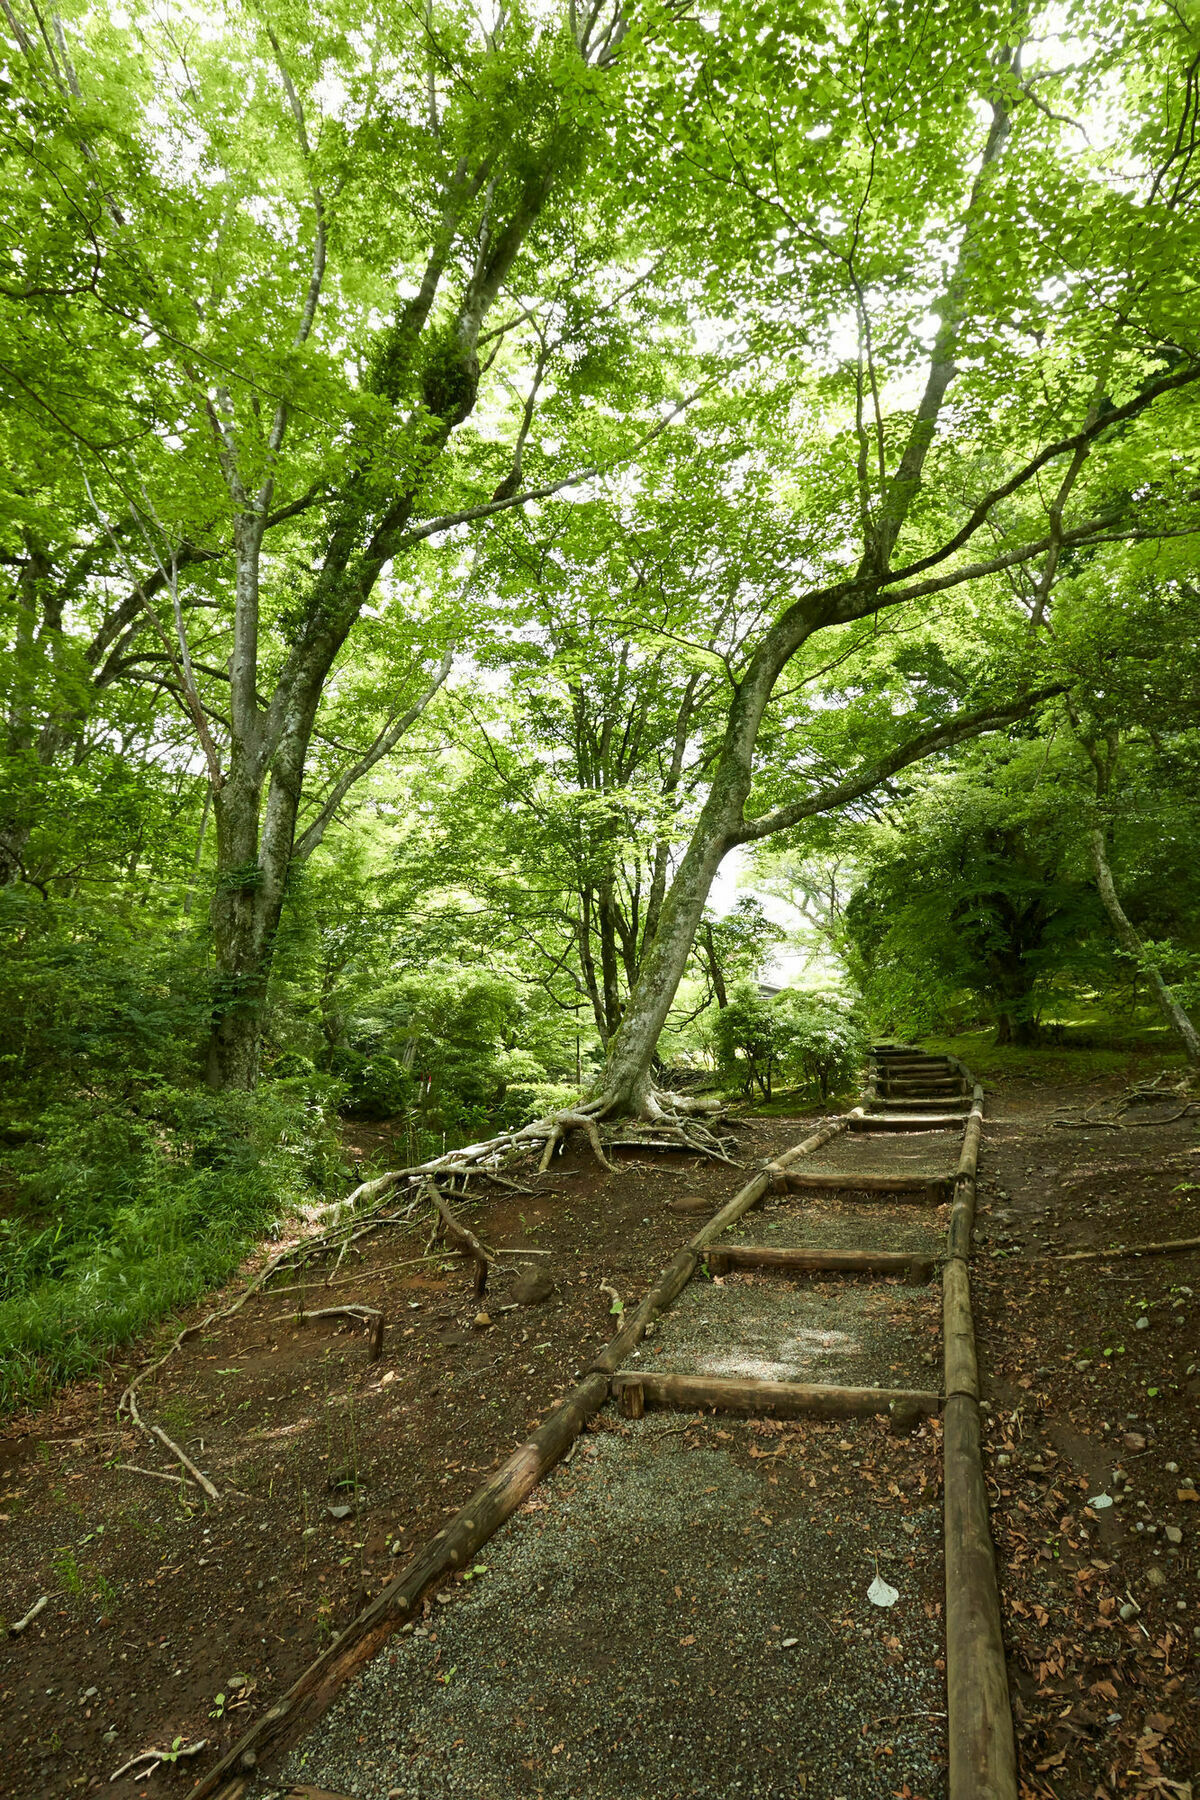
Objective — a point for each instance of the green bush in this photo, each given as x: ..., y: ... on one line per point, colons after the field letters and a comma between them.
x: 814, y: 1041
x: 129, y: 1187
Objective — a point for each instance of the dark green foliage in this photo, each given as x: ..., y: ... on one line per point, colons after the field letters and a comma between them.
x: 981, y: 906
x: 449, y: 380
x: 128, y: 1188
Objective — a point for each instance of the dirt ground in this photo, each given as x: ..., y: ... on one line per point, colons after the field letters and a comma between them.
x: 1093, y: 1442
x: 160, y: 1605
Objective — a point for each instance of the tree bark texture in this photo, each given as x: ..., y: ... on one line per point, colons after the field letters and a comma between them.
x: 1129, y: 939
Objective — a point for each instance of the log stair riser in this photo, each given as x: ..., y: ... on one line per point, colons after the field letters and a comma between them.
x: 635, y: 1393
x: 766, y: 1258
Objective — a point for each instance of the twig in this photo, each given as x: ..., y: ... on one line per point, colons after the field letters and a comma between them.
x: 410, y: 1262
x: 365, y: 1315
x: 154, y: 1474
x: 197, y: 1475
x: 1169, y: 1247
x: 18, y: 1626
x: 159, y: 1756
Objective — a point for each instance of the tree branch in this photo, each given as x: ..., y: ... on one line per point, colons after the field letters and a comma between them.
x: 386, y: 740
x: 915, y: 749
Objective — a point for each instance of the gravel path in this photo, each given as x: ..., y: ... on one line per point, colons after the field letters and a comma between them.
x: 680, y: 1611
x: 852, y: 1333
x: 827, y: 1222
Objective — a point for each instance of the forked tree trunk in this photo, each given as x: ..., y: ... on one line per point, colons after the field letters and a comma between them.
x: 1128, y: 937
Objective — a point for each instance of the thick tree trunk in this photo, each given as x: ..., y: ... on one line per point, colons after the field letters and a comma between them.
x: 245, y: 913
x: 1129, y: 939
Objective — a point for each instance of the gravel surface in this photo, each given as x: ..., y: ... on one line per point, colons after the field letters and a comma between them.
x: 930, y: 1153
x: 852, y: 1333
x: 680, y: 1611
x: 888, y: 1223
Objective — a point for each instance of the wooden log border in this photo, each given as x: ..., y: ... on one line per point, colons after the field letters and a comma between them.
x: 310, y: 1695
x: 983, y: 1763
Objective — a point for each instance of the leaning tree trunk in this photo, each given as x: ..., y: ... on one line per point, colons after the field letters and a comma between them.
x: 1128, y: 937
x: 625, y: 1085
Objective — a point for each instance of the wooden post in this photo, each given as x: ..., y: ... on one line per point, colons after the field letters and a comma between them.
x: 958, y: 1332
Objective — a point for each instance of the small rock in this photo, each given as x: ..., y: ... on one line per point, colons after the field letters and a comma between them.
x: 1172, y: 1534
x: 789, y: 1643
x: 531, y: 1287
x: 1155, y: 1577
x: 1100, y: 1501
x: 1133, y: 1440
x: 1130, y: 1610
x: 1172, y: 1468
x: 339, y: 1512
x: 1142, y: 1324
x: 481, y: 1321
x: 236, y: 1683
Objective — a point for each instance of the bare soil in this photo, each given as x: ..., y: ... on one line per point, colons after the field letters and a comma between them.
x: 160, y: 1602
x: 1093, y: 1452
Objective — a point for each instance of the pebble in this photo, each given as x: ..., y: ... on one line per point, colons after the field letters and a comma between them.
x: 1172, y: 1534
x: 481, y: 1321
x: 1142, y: 1324
x: 339, y: 1512
x: 1130, y: 1610
x: 1156, y: 1578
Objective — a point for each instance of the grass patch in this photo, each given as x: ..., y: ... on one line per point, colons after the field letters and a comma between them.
x: 1090, y: 1046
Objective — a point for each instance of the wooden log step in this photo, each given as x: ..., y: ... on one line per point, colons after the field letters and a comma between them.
x: 907, y: 1181
x: 635, y: 1391
x: 920, y: 1083
x: 900, y: 1121
x: 907, y: 1101
x: 909, y: 1263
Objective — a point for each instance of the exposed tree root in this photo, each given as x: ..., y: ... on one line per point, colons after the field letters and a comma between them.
x: 1109, y: 1113
x: 665, y: 1122
x: 467, y: 1242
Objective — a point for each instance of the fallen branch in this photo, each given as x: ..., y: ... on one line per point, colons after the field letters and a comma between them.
x: 1170, y: 1247
x: 365, y: 1315
x: 156, y: 1757
x: 19, y: 1625
x: 154, y: 1474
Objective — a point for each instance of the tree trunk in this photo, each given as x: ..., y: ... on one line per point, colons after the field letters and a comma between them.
x: 625, y: 1084
x: 1128, y: 938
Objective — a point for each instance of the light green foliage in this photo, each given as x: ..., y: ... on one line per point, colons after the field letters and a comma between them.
x: 751, y: 401
x: 810, y: 1040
